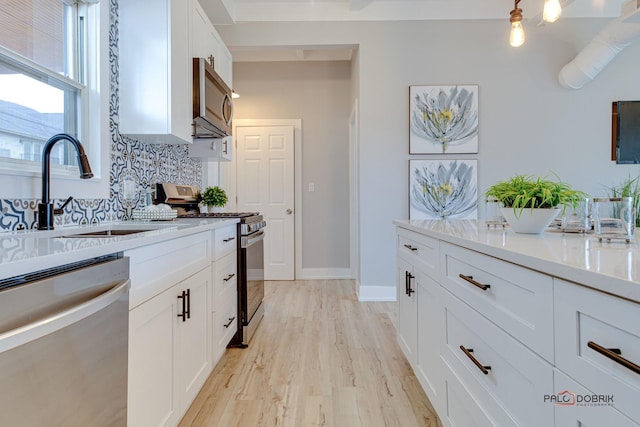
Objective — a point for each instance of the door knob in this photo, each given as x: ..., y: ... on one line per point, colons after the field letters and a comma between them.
x: 289, y: 211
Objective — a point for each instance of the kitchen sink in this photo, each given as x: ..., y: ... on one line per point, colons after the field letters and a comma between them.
x: 108, y: 233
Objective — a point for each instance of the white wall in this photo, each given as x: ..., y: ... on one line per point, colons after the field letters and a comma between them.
x: 528, y: 123
x: 319, y: 94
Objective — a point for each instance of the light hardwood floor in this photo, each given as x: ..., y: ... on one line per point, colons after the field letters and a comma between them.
x: 318, y: 358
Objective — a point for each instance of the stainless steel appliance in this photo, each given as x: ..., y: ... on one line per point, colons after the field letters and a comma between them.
x: 250, y: 277
x: 250, y: 235
x: 212, y: 104
x: 250, y: 271
x: 64, y: 345
x: 180, y: 197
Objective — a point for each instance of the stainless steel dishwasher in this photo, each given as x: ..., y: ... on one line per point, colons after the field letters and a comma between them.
x: 64, y: 345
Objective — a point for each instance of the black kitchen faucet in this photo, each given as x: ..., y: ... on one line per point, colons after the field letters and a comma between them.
x: 45, y: 208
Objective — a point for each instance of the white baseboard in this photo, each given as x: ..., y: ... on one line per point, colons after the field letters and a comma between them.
x: 376, y: 293
x: 324, y: 273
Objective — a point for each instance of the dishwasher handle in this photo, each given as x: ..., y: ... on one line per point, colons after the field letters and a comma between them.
x: 32, y: 331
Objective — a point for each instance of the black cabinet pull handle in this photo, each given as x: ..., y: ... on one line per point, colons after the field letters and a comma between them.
x: 411, y: 248
x: 473, y: 282
x: 229, y: 277
x: 406, y: 282
x: 188, y: 303
x: 409, y: 289
x: 468, y: 351
x: 229, y: 239
x: 231, y: 319
x: 183, y: 297
x: 614, y: 354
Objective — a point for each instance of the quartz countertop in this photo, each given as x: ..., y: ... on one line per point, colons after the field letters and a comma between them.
x: 612, y: 267
x: 28, y: 251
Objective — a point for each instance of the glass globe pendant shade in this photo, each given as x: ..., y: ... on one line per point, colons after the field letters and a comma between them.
x: 517, y: 34
x: 552, y: 10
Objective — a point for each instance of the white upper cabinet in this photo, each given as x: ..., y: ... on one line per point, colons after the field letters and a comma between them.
x: 204, y: 43
x: 157, y: 41
x: 207, y: 43
x: 226, y: 66
x: 155, y: 71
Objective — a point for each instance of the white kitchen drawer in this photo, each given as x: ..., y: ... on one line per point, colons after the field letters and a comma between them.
x: 575, y: 412
x: 462, y: 409
x: 226, y: 318
x: 517, y: 299
x: 225, y: 321
x: 225, y: 241
x: 224, y: 304
x: 155, y: 268
x: 586, y: 316
x: 419, y: 250
x: 517, y: 378
x: 225, y: 276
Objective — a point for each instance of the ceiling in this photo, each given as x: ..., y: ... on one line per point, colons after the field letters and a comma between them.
x: 229, y: 12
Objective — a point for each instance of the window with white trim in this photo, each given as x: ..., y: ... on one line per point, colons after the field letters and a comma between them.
x: 43, y: 76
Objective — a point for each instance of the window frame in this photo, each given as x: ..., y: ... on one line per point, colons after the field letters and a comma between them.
x: 21, y: 179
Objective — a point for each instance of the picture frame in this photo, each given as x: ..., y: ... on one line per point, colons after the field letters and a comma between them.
x: 443, y: 119
x: 443, y: 189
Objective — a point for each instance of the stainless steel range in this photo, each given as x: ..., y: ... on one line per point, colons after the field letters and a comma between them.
x: 250, y: 233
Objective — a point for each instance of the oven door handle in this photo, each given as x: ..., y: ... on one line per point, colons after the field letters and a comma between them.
x: 251, y: 239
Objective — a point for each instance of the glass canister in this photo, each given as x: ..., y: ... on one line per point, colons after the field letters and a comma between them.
x: 614, y: 218
x: 493, y: 213
x: 575, y: 218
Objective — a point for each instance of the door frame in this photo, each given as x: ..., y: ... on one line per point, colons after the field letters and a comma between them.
x: 354, y: 195
x: 297, y: 177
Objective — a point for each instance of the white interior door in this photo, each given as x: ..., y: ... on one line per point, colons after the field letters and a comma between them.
x: 265, y: 183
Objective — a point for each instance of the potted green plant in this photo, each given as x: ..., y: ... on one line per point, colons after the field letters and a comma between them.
x: 214, y: 197
x: 531, y: 203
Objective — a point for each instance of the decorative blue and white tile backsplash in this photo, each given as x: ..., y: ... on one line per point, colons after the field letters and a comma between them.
x: 146, y: 163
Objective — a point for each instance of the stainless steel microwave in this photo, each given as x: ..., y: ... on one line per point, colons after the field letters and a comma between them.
x: 212, y: 104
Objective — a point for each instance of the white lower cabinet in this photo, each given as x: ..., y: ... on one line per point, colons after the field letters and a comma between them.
x: 517, y: 299
x: 407, y: 310
x: 225, y: 305
x: 182, y: 315
x: 152, y: 339
x: 224, y: 290
x: 598, y: 343
x: 505, y: 378
x: 575, y: 407
x: 418, y: 310
x: 193, y: 366
x: 428, y: 368
x: 460, y: 409
x: 494, y: 343
x: 168, y: 353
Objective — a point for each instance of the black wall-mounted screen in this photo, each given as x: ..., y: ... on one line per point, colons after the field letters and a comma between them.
x: 625, y: 132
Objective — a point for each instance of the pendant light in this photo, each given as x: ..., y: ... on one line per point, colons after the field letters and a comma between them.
x: 552, y: 10
x: 517, y: 32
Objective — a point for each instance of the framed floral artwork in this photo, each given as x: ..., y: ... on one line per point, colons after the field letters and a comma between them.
x: 444, y: 119
x: 441, y: 189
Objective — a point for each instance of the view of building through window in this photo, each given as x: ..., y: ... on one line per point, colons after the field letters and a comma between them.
x: 34, y: 104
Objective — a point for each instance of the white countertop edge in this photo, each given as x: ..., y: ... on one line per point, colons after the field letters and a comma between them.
x: 98, y: 246
x: 602, y: 282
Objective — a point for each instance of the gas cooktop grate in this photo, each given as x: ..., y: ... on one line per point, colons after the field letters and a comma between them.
x: 220, y: 215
